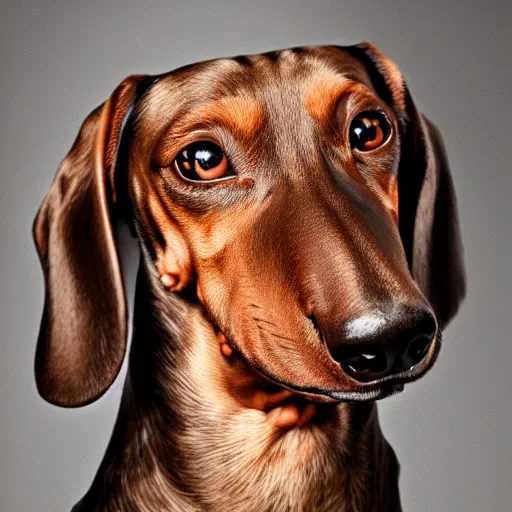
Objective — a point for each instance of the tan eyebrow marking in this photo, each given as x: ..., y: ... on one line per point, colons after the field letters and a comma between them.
x: 322, y: 91
x: 241, y: 114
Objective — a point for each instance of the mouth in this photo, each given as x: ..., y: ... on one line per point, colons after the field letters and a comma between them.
x: 291, y: 406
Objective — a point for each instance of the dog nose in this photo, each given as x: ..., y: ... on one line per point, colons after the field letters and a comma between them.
x: 375, y: 346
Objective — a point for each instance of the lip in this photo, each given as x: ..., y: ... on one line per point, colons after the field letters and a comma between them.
x: 289, y: 406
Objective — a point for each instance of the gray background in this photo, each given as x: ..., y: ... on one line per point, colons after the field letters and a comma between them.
x: 58, y: 61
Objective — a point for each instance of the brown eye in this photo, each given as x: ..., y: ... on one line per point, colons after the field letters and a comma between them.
x: 369, y: 130
x: 203, y: 160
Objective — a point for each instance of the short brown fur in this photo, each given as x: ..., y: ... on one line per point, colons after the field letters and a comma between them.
x: 273, y: 265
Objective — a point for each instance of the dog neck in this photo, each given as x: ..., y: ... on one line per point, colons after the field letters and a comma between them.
x: 182, y: 442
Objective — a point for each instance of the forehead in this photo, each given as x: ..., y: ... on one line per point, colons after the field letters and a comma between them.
x: 241, y: 91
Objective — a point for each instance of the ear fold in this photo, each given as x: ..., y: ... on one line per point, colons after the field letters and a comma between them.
x: 427, y: 209
x: 83, y: 332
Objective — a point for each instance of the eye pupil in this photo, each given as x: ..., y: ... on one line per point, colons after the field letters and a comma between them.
x: 369, y: 130
x: 202, y: 160
x: 208, y: 158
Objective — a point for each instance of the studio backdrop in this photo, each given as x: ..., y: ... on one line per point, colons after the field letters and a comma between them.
x: 451, y: 430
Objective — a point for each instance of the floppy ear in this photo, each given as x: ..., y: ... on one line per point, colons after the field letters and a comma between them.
x: 427, y: 207
x: 83, y: 332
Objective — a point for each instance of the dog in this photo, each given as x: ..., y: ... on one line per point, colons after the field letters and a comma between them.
x: 300, y: 256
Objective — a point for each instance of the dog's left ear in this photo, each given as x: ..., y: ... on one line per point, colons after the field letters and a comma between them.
x: 427, y: 208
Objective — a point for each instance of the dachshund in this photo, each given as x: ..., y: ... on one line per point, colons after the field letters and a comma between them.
x: 300, y: 256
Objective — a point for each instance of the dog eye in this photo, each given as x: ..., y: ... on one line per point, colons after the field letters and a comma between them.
x: 201, y: 161
x: 369, y: 130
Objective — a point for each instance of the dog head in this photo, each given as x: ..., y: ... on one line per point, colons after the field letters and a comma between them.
x: 299, y: 194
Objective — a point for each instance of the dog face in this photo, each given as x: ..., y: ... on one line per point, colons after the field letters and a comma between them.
x: 299, y: 194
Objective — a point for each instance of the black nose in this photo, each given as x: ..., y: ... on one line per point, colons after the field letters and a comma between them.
x: 377, y: 345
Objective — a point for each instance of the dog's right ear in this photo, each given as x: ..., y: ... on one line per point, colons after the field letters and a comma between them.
x: 83, y: 332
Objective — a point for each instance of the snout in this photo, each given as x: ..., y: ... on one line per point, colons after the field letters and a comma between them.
x: 375, y: 345
x: 326, y: 308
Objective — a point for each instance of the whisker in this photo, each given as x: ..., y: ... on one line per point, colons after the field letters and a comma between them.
x: 263, y: 320
x: 275, y: 335
x: 286, y: 347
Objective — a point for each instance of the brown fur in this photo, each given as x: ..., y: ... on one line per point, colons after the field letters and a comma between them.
x: 306, y: 238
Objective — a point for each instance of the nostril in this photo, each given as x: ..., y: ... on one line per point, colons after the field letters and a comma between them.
x: 419, y: 347
x: 417, y: 350
x: 365, y: 363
